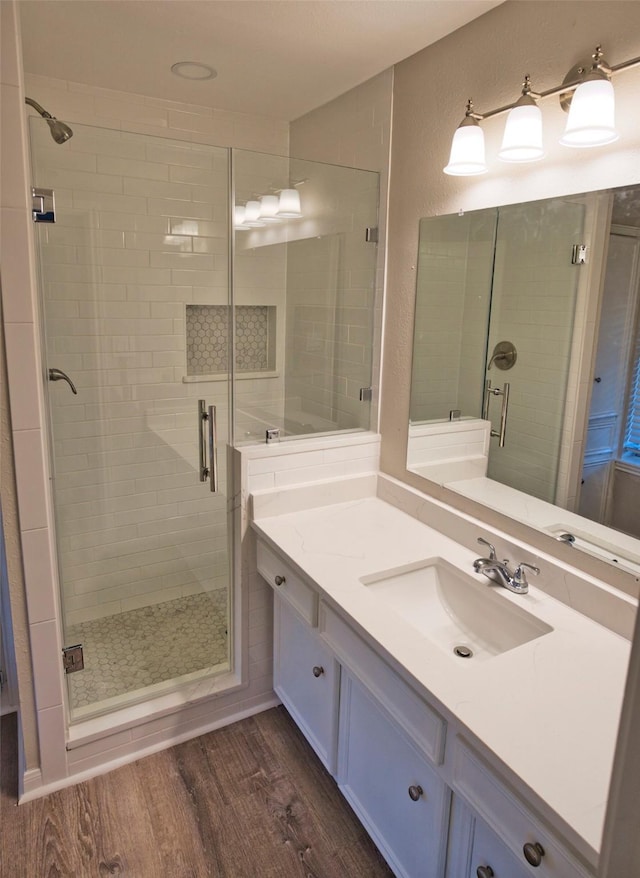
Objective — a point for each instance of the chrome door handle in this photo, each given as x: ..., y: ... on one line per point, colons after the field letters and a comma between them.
x: 59, y: 375
x: 504, y: 393
x: 213, y: 450
x: 207, y: 421
x: 202, y: 454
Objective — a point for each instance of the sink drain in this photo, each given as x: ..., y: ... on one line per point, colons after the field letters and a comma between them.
x: 462, y: 651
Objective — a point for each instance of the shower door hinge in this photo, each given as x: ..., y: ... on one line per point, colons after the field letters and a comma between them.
x: 371, y: 234
x: 579, y: 254
x: 43, y: 205
x: 366, y: 394
x: 72, y: 658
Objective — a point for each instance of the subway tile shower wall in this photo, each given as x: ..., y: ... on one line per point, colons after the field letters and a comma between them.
x: 119, y: 268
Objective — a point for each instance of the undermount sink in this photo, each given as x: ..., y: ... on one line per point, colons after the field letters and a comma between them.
x: 461, y: 613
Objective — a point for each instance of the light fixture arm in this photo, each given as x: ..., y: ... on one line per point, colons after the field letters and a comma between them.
x: 599, y: 65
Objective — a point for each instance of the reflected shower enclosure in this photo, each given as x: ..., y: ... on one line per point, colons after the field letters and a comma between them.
x: 150, y: 303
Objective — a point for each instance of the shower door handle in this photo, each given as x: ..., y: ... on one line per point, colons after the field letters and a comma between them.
x: 213, y: 450
x: 59, y: 375
x: 504, y: 393
x: 202, y: 445
x: 208, y: 438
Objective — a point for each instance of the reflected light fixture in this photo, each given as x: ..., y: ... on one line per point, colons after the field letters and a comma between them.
x: 252, y: 215
x: 269, y: 206
x: 467, y: 148
x: 239, y: 216
x: 289, y: 204
x: 522, y: 140
x: 588, y: 96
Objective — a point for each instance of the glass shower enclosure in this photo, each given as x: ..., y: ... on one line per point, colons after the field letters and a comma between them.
x: 157, y: 316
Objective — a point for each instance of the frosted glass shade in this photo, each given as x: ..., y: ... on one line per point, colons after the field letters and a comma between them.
x: 591, y: 115
x: 289, y: 204
x: 522, y: 140
x: 467, y: 151
x: 239, y: 212
x: 252, y: 215
x: 269, y: 205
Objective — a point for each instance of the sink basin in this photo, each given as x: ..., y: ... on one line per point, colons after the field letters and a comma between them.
x: 458, y: 612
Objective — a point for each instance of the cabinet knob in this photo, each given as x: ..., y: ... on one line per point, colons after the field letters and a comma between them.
x: 415, y: 792
x: 533, y: 853
x: 318, y: 670
x: 280, y: 580
x: 485, y: 872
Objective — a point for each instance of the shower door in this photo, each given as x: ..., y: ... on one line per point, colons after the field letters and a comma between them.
x: 139, y: 246
x: 532, y: 307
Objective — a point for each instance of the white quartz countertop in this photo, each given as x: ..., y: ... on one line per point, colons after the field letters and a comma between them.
x: 548, y: 709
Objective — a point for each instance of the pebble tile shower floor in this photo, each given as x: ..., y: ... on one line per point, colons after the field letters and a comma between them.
x: 141, y: 647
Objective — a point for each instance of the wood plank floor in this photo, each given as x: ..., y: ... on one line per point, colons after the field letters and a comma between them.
x: 248, y: 801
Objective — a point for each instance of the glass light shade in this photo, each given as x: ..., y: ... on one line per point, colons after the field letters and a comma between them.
x: 467, y: 151
x: 522, y: 140
x: 591, y: 115
x: 269, y: 205
x: 239, y: 216
x: 252, y: 214
x: 289, y: 204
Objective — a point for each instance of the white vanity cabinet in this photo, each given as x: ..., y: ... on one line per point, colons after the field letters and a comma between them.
x: 392, y: 787
x: 305, y: 677
x: 435, y: 806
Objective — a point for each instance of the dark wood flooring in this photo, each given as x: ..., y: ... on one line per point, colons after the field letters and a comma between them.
x: 248, y: 801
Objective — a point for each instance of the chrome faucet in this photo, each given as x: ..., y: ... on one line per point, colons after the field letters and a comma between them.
x: 499, y: 572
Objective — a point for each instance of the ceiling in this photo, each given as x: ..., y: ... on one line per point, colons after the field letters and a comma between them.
x: 278, y: 58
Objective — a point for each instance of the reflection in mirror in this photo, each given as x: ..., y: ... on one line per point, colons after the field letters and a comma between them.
x: 525, y: 392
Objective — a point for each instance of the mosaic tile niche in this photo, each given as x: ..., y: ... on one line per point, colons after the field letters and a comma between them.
x: 207, y: 328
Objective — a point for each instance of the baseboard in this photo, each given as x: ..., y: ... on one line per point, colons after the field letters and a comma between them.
x: 34, y: 788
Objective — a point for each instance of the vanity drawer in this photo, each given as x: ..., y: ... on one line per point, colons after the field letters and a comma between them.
x: 288, y: 584
x: 510, y: 818
x: 421, y: 722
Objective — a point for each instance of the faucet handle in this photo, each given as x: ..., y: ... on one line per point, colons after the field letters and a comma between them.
x: 492, y: 554
x: 520, y: 577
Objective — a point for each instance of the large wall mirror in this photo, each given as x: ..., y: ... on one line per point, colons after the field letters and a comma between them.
x: 525, y: 392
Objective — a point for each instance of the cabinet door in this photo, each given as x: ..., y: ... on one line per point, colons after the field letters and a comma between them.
x: 491, y: 858
x: 305, y: 677
x: 393, y: 789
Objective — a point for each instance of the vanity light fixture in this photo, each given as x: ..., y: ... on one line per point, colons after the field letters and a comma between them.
x: 586, y: 94
x: 522, y: 140
x: 467, y: 148
x: 591, y: 114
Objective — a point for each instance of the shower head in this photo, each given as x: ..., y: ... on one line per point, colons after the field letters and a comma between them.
x: 59, y: 130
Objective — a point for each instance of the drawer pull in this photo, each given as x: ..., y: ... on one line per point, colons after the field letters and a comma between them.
x: 485, y: 872
x: 318, y: 670
x: 415, y: 792
x: 280, y: 580
x: 533, y: 853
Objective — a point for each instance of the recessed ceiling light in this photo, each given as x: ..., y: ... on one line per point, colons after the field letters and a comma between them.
x: 193, y: 70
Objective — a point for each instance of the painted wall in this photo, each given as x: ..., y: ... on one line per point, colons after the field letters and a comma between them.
x: 430, y: 91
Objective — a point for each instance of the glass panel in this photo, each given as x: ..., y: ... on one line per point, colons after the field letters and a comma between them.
x: 307, y: 282
x: 533, y: 303
x: 141, y: 236
x: 453, y: 296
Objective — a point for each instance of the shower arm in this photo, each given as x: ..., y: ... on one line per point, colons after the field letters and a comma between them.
x: 39, y: 109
